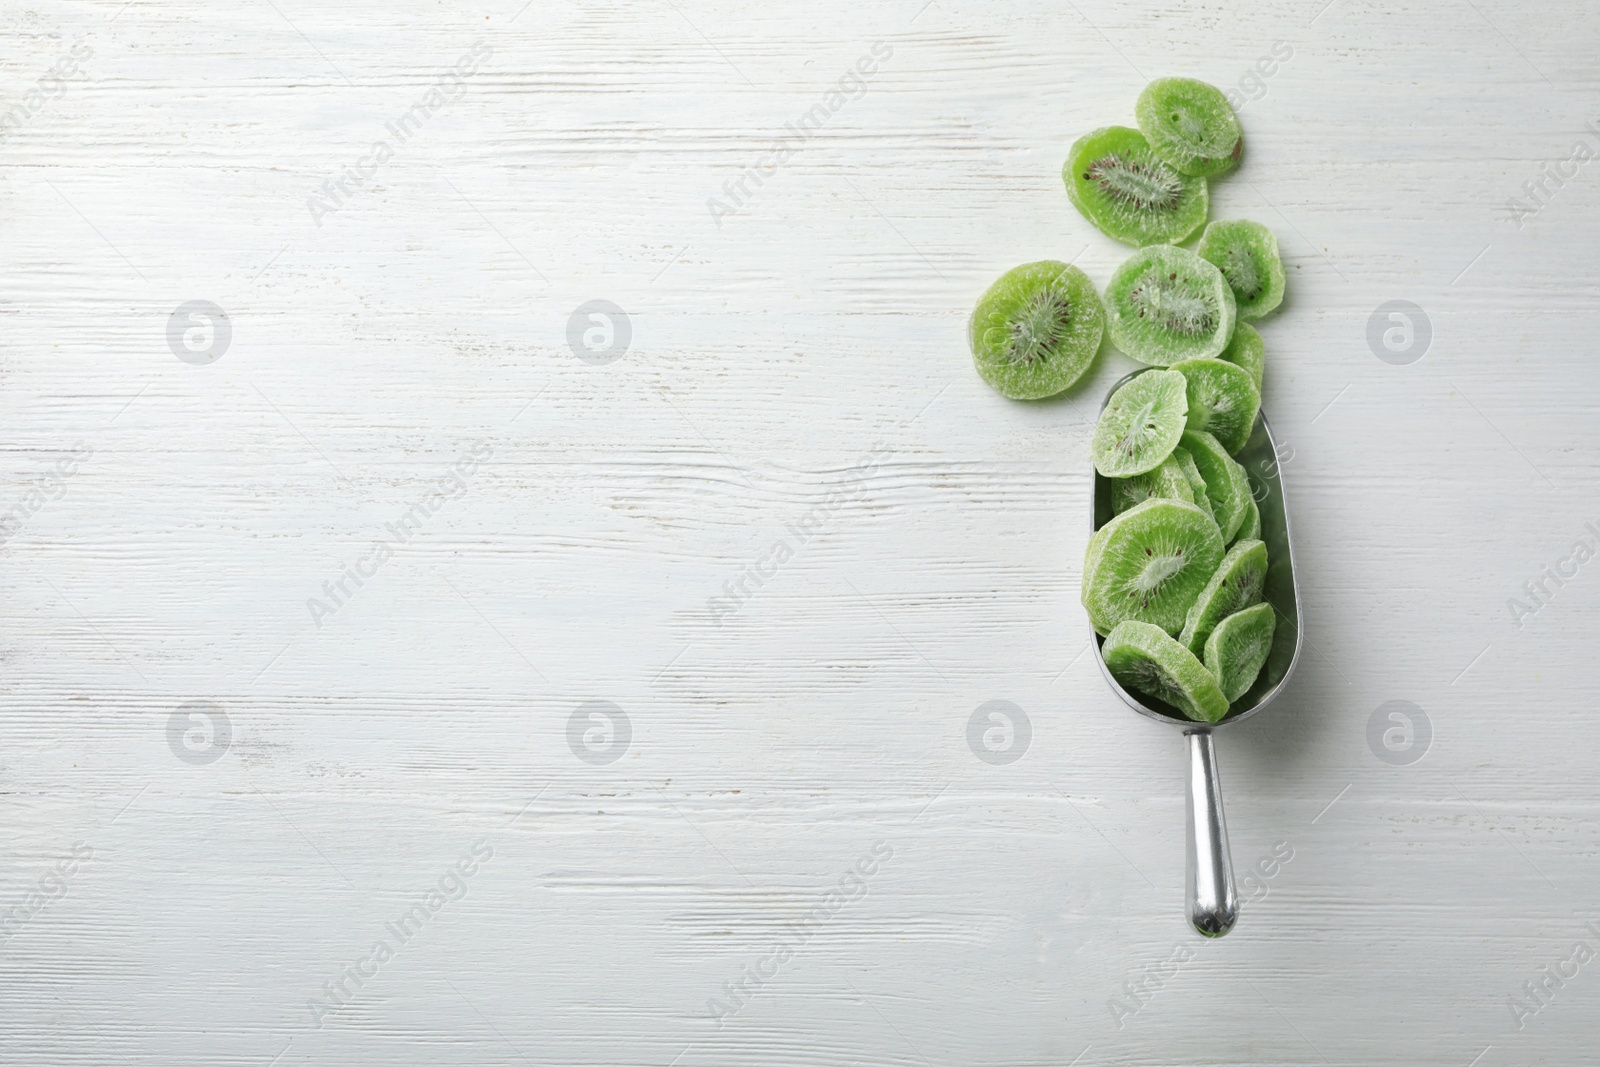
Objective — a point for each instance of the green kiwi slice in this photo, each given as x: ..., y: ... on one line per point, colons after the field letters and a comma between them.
x: 1140, y: 424
x: 1167, y: 481
x: 1166, y: 304
x: 1146, y: 659
x: 1036, y: 330
x: 1149, y: 564
x: 1190, y: 124
x: 1236, y: 584
x: 1238, y: 647
x: 1248, y: 351
x: 1121, y: 185
x: 1247, y: 254
x: 1227, y: 485
x: 1250, y: 528
x: 1197, y: 484
x: 1223, y: 401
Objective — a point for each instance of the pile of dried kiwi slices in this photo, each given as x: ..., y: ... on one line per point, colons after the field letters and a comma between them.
x: 1174, y: 580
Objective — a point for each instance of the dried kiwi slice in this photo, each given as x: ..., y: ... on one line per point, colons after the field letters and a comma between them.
x: 1036, y: 330
x: 1236, y: 584
x: 1166, y: 304
x: 1118, y: 182
x: 1197, y: 484
x: 1190, y: 124
x: 1146, y: 659
x: 1222, y: 400
x: 1250, y: 528
x: 1149, y: 564
x: 1140, y: 424
x: 1167, y: 482
x: 1238, y: 647
x: 1247, y: 254
x: 1248, y: 351
x: 1227, y: 485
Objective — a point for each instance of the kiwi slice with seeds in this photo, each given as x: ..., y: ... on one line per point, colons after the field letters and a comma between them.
x: 1223, y: 401
x: 1191, y: 125
x: 1197, y: 484
x: 1146, y: 659
x: 1166, y: 304
x: 1036, y: 330
x: 1167, y: 481
x: 1247, y: 254
x: 1236, y: 584
x: 1227, y: 485
x: 1149, y: 564
x: 1238, y: 647
x: 1140, y: 424
x: 1247, y: 350
x: 1119, y: 183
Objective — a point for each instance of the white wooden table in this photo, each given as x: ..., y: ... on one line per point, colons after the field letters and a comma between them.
x: 658, y: 662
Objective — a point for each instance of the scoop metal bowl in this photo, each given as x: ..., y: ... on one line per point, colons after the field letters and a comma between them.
x: 1213, y: 899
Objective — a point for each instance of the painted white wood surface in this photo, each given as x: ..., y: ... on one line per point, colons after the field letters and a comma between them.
x: 776, y: 746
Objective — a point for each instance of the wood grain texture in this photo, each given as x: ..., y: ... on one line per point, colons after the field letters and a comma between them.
x: 798, y: 364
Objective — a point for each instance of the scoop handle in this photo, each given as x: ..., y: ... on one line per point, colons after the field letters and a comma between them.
x: 1213, y: 900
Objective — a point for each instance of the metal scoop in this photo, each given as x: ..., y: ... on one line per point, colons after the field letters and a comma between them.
x: 1213, y: 900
